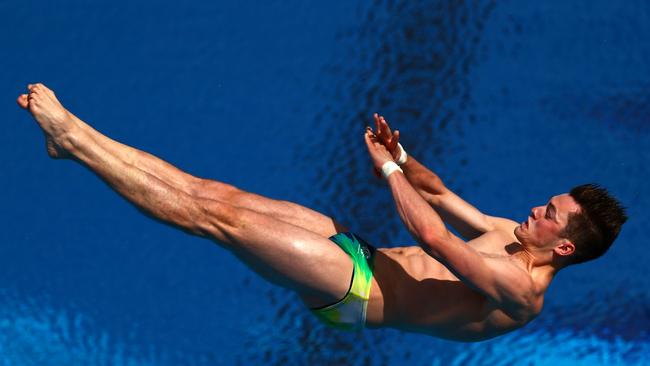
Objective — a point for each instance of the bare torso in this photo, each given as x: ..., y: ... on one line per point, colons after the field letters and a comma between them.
x: 413, y: 291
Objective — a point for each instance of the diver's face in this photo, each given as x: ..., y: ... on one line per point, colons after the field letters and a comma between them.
x: 545, y: 223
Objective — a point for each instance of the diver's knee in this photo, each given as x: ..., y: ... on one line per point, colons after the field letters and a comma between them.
x: 213, y: 189
x: 220, y: 219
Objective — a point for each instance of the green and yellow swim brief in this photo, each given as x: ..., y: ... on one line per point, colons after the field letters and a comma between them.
x: 349, y: 313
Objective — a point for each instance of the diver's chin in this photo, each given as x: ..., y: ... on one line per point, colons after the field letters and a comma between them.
x: 519, y: 233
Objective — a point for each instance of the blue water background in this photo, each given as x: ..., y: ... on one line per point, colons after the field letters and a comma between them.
x: 510, y: 102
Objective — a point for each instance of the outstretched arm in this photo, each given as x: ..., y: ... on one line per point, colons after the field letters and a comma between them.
x: 462, y: 216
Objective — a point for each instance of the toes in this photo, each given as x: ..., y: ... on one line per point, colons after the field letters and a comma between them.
x: 42, y: 87
x: 39, y: 88
x: 36, y: 87
x: 33, y: 91
x: 22, y: 101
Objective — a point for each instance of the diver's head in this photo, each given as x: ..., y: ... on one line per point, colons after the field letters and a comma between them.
x: 574, y: 227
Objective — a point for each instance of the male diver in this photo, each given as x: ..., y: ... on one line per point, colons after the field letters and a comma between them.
x: 445, y: 286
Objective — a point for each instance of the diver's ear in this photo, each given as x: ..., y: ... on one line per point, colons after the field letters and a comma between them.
x: 564, y: 247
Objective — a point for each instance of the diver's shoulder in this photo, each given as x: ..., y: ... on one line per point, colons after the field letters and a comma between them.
x: 526, y: 310
x: 534, y: 303
x: 533, y: 309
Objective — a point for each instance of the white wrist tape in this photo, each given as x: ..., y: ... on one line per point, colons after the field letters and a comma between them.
x: 402, y: 155
x: 389, y: 168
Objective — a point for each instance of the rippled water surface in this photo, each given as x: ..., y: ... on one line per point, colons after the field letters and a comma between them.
x: 510, y: 103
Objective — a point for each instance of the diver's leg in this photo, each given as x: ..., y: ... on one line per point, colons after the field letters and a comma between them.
x: 141, y: 159
x: 284, y: 254
x: 282, y: 210
x: 286, y: 211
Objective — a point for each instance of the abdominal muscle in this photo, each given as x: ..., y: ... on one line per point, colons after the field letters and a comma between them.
x: 413, y: 291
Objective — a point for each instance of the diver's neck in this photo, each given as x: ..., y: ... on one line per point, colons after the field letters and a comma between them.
x: 538, y: 265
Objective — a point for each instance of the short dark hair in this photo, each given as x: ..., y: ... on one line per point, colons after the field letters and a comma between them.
x: 593, y: 229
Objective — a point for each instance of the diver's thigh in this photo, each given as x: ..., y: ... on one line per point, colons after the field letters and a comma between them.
x: 285, y: 254
x: 286, y: 211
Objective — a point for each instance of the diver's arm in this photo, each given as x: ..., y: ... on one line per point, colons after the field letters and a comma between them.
x: 418, y: 216
x: 497, y: 279
x: 462, y: 216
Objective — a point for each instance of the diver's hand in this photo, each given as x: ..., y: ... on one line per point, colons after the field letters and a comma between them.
x: 386, y: 137
x: 377, y: 151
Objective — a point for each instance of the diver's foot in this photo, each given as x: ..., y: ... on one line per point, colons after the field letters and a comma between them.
x: 55, y: 121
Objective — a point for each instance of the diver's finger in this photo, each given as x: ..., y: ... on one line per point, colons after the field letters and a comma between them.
x: 395, y: 140
x: 385, y: 128
x: 377, y: 123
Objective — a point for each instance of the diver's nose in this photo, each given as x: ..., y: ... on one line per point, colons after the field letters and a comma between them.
x: 533, y: 212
